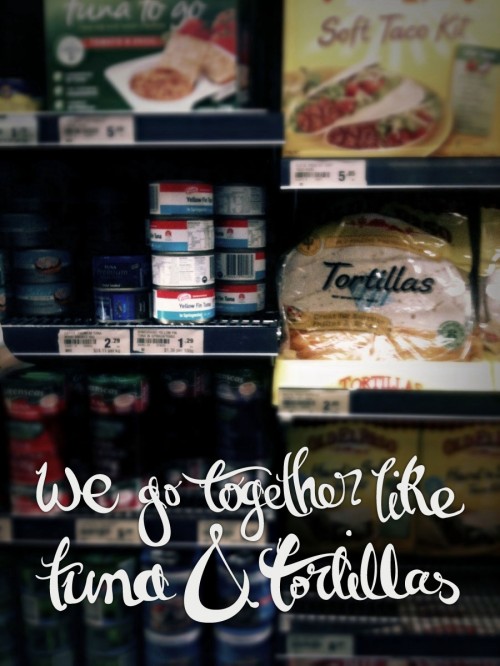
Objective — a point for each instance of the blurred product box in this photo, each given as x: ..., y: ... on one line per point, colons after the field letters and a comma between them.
x: 405, y: 78
x: 153, y: 56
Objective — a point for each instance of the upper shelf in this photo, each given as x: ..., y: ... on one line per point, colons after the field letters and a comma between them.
x: 252, y: 127
x: 437, y: 172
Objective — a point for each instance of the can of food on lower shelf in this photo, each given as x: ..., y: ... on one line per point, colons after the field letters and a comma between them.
x: 243, y: 646
x: 126, y: 305
x: 183, y: 648
x: 193, y: 198
x: 240, y: 234
x: 32, y: 395
x: 121, y: 272
x: 189, y: 304
x: 192, y: 269
x: 239, y: 298
x: 40, y: 265
x: 50, y: 299
x: 240, y: 265
x: 239, y: 199
x: 175, y: 235
x: 118, y: 394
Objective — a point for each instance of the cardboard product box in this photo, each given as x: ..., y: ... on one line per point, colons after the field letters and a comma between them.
x: 342, y: 454
x: 406, y: 78
x: 155, y: 56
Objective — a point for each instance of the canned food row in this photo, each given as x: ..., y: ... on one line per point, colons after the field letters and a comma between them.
x: 195, y: 198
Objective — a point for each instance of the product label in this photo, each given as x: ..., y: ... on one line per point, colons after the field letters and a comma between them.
x: 240, y: 234
x: 239, y: 299
x: 167, y: 341
x: 181, y: 235
x: 175, y: 306
x: 94, y: 341
x: 240, y: 266
x: 182, y: 270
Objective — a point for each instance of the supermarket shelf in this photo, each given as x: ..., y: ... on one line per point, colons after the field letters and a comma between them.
x: 189, y: 527
x: 37, y: 336
x: 403, y: 390
x: 433, y: 172
x: 222, y: 128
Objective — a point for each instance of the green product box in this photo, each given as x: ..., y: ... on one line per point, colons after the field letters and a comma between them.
x: 157, y: 56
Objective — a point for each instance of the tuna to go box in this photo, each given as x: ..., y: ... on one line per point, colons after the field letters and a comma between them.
x: 146, y: 55
x: 391, y: 78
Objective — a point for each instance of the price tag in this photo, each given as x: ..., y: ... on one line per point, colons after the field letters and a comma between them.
x: 317, y: 174
x: 96, y: 130
x: 110, y: 341
x: 168, y: 341
x: 231, y: 532
x: 18, y: 128
x: 319, y: 644
x: 313, y: 402
x: 107, y: 531
x: 5, y: 530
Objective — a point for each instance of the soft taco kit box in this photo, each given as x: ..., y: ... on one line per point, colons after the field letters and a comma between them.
x: 145, y: 55
x: 391, y: 78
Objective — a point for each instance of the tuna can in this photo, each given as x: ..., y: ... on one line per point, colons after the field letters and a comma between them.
x: 23, y: 230
x: 181, y: 198
x: 39, y: 265
x: 118, y: 394
x: 240, y: 234
x: 196, y: 305
x: 243, y: 647
x: 124, y: 656
x: 167, y: 235
x: 240, y: 265
x: 121, y: 272
x: 65, y: 656
x: 5, y: 302
x: 33, y: 395
x: 110, y: 637
x: 239, y: 200
x: 239, y: 298
x: 130, y: 305
x: 175, y: 650
x: 183, y: 270
x: 43, y: 299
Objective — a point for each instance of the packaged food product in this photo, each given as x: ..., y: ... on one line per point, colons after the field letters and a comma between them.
x: 335, y: 451
x: 465, y: 458
x: 376, y: 287
x: 489, y: 280
x: 395, y: 77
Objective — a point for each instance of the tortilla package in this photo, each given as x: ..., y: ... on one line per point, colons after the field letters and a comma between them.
x: 373, y: 287
x: 489, y: 280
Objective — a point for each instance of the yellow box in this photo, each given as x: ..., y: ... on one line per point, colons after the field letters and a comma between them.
x: 391, y: 78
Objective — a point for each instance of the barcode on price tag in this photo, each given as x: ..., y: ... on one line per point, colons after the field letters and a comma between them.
x: 313, y: 402
x: 19, y: 128
x: 231, y: 532
x: 5, y: 530
x: 167, y: 341
x: 327, y: 174
x: 107, y: 531
x: 94, y: 341
x: 96, y: 130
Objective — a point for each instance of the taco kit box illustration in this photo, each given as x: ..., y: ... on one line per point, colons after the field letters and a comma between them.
x: 391, y: 78
x: 146, y: 55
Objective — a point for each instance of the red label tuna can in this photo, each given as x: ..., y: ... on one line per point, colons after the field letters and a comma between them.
x: 192, y: 269
x: 240, y: 265
x: 187, y: 304
x: 174, y: 235
x: 239, y: 298
x: 181, y: 198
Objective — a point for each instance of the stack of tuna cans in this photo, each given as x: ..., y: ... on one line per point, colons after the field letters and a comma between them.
x: 181, y: 234
x: 122, y: 287
x: 240, y: 240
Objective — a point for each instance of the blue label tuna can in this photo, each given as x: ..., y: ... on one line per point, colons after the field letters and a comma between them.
x: 42, y: 265
x: 121, y: 272
x: 175, y: 650
x: 125, y: 305
x: 243, y: 647
x: 43, y: 299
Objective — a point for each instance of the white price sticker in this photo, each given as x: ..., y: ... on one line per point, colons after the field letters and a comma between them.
x: 231, y: 535
x: 327, y: 174
x: 313, y: 402
x: 107, y: 531
x: 96, y: 130
x: 18, y: 128
x: 106, y: 342
x: 168, y: 341
x: 5, y: 530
